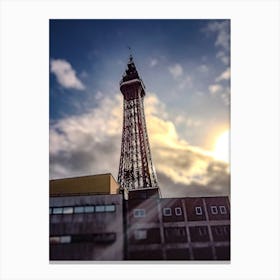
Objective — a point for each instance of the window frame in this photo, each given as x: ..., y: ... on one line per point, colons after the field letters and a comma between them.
x: 197, y: 212
x: 99, y: 207
x: 79, y: 212
x: 175, y: 234
x: 139, y: 210
x: 110, y: 205
x: 64, y: 211
x: 176, y: 210
x: 202, y: 230
x: 54, y: 240
x: 224, y: 212
x: 87, y: 207
x: 64, y: 239
x: 214, y: 212
x: 165, y: 213
x: 56, y: 208
x: 140, y: 234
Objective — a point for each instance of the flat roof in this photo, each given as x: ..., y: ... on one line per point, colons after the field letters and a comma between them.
x: 84, y: 185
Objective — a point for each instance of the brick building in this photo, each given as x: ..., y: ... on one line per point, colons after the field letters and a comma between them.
x: 192, y: 228
x: 90, y: 220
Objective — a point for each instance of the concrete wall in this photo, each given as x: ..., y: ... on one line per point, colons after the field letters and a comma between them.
x: 86, y: 236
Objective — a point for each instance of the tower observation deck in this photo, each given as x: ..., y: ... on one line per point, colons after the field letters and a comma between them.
x: 136, y: 169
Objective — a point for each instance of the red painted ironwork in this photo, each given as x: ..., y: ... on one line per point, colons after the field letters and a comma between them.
x: 136, y: 170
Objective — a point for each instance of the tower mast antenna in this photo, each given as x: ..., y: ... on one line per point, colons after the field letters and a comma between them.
x: 130, y: 53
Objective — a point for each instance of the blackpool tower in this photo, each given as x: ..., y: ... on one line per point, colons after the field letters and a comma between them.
x: 136, y: 169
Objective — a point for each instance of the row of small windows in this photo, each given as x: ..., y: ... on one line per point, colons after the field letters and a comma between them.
x: 214, y: 210
x: 168, y: 211
x: 84, y: 238
x: 179, y: 234
x: 222, y: 209
x: 83, y: 209
x: 138, y: 213
x: 169, y: 233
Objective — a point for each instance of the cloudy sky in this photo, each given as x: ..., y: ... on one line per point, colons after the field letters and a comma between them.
x: 185, y: 66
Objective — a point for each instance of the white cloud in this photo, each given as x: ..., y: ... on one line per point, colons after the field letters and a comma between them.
x: 224, y: 76
x: 226, y: 96
x: 99, y: 95
x: 218, y: 91
x: 189, y: 122
x: 179, y: 119
x: 185, y: 82
x: 203, y: 68
x: 223, y: 57
x: 65, y: 74
x: 214, y: 89
x: 153, y: 62
x: 90, y: 144
x: 193, y: 123
x: 176, y: 70
x: 221, y: 29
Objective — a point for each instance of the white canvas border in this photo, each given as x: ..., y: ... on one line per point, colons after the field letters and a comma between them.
x: 254, y: 128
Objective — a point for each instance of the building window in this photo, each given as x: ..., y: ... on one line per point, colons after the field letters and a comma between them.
x: 100, y: 208
x: 57, y: 210
x: 223, y: 209
x: 65, y: 239
x: 218, y: 231
x: 82, y: 209
x: 202, y: 231
x: 199, y: 234
x: 140, y: 234
x: 89, y: 209
x: 221, y: 232
x: 226, y: 230
x: 104, y: 237
x: 90, y: 238
x: 175, y: 234
x: 54, y: 239
x: 138, y: 213
x: 67, y: 210
x: 78, y: 209
x: 178, y: 211
x: 60, y: 239
x: 198, y: 210
x: 110, y: 208
x: 214, y: 210
x: 167, y: 212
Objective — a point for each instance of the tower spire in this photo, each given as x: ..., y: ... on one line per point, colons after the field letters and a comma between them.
x: 136, y: 169
x: 130, y: 54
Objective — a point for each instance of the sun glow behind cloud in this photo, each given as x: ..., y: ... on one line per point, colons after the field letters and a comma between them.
x: 221, y: 151
x: 90, y: 143
x: 184, y: 114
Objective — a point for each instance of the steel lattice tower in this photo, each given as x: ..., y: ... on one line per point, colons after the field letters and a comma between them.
x: 136, y: 170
